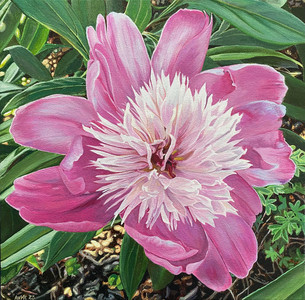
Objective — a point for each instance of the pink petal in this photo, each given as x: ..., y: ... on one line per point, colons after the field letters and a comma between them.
x: 50, y: 124
x: 43, y: 199
x: 176, y: 250
x: 235, y: 242
x: 183, y: 44
x: 77, y: 170
x: 241, y: 84
x: 212, y: 271
x: 118, y: 72
x: 245, y: 198
x: 269, y: 155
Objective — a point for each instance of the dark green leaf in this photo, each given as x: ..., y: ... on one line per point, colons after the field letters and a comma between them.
x: 66, y: 86
x: 64, y: 244
x: 160, y: 277
x: 57, y: 15
x: 115, y: 5
x: 277, y: 3
x: 234, y: 36
x: 87, y: 10
x: 133, y: 264
x: 294, y: 99
x: 244, y: 52
x: 28, y: 63
x: 293, y: 139
x: 10, y: 221
x: 34, y: 36
x: 69, y: 63
x: 255, y: 18
x: 34, y: 161
x: 22, y: 241
x: 9, y: 20
x: 13, y: 73
x: 8, y: 273
x: 209, y: 63
x: 282, y: 287
x: 140, y: 12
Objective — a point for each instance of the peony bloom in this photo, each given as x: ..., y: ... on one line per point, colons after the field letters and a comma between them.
x: 171, y: 150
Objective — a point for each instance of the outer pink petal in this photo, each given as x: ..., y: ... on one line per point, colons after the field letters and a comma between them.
x: 50, y: 124
x: 111, y: 81
x: 43, y: 199
x: 77, y: 170
x: 241, y: 84
x: 212, y: 271
x: 183, y: 44
x: 176, y: 250
x: 269, y: 155
x: 245, y: 198
x: 235, y: 242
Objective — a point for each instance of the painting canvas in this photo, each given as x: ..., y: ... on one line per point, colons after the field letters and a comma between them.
x: 152, y: 149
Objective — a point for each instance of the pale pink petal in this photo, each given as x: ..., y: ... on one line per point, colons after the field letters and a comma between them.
x: 43, y: 199
x: 212, y: 271
x: 235, y: 242
x: 245, y: 198
x: 51, y: 123
x: 77, y: 169
x: 183, y: 43
x: 241, y: 84
x: 175, y: 250
x: 119, y: 71
x: 269, y: 155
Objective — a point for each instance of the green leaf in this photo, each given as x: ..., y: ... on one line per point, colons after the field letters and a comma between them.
x: 64, y: 244
x: 160, y: 277
x: 69, y: 63
x: 25, y: 242
x: 282, y: 287
x: 293, y: 139
x: 57, y: 15
x: 140, y: 12
x: 9, y: 21
x: 12, y: 73
x: 66, y: 86
x: 8, y: 273
x: 10, y: 221
x: 34, y: 161
x: 244, y: 52
x: 277, y: 3
x: 294, y: 99
x: 115, y: 5
x: 34, y: 36
x: 133, y: 264
x: 258, y: 19
x: 87, y: 11
x: 28, y: 63
x: 234, y: 36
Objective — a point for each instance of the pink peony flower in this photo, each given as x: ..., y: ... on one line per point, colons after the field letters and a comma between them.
x: 172, y: 150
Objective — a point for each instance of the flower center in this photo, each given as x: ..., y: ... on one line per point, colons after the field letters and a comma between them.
x: 159, y: 164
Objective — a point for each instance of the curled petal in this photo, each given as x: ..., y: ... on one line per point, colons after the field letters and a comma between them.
x: 43, y: 199
x: 235, y: 242
x: 50, y: 124
x: 123, y: 63
x: 241, y: 84
x: 183, y: 44
x: 269, y: 155
x: 176, y: 250
x: 245, y: 198
x: 212, y: 271
x: 77, y: 170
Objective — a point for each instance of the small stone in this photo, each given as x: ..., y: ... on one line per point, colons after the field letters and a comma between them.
x: 68, y: 292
